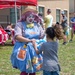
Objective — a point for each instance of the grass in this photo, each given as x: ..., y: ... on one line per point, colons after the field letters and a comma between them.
x: 5, y: 64
x: 66, y: 58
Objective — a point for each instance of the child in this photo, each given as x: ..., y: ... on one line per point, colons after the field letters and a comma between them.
x: 50, y: 50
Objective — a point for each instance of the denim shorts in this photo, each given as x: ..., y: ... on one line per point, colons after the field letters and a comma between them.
x: 50, y: 73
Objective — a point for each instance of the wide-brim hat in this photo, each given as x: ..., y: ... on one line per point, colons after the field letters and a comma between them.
x: 29, y: 8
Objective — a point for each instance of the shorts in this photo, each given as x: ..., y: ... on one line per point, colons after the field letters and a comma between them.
x: 50, y: 73
x: 73, y: 27
x: 65, y: 30
x: 9, y: 33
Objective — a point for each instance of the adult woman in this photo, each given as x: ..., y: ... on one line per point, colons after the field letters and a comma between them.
x: 24, y: 56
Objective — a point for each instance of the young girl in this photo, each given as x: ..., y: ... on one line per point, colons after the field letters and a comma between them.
x: 50, y: 49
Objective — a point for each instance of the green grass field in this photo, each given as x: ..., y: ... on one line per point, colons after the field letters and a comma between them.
x: 66, y: 58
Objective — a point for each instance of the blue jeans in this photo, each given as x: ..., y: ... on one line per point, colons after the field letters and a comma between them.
x: 50, y: 73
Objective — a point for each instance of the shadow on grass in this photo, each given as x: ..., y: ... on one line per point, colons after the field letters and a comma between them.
x: 6, y: 44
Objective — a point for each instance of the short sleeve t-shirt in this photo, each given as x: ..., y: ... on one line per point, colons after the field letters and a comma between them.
x: 48, y: 21
x: 64, y: 23
x: 50, y: 58
x: 73, y: 20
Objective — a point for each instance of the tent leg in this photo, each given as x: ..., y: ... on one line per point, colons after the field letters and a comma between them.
x: 15, y: 12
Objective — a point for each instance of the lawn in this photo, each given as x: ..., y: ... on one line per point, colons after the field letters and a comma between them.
x: 66, y: 58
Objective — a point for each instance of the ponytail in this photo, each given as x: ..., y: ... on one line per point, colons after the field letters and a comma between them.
x: 58, y: 31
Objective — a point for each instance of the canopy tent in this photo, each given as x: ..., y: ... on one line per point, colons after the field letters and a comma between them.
x: 8, y: 6
x: 18, y: 2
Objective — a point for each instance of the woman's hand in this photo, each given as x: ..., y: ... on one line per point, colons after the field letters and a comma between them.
x: 34, y: 44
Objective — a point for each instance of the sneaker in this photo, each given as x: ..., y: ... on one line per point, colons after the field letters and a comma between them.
x: 70, y: 40
x: 64, y: 43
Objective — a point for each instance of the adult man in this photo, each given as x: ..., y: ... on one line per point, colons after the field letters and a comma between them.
x: 65, y: 26
x: 48, y: 19
x: 73, y: 27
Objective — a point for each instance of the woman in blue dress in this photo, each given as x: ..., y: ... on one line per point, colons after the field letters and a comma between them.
x: 23, y: 56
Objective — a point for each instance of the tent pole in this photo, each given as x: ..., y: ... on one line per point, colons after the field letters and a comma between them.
x: 20, y: 12
x: 15, y: 12
x: 37, y: 7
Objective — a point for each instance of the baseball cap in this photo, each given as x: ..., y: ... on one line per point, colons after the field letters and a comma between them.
x: 62, y: 12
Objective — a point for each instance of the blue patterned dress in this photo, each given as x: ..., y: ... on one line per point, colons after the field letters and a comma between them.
x: 23, y: 56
